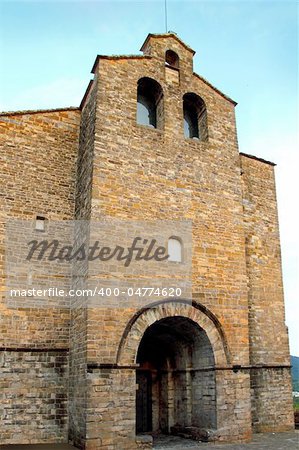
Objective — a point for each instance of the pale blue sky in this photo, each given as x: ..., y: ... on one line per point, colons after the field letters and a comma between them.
x: 248, y: 49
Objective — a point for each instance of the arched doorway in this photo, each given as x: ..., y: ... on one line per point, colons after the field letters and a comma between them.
x: 176, y: 386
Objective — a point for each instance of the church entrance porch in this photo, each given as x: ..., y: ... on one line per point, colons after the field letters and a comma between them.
x: 172, y: 377
x: 176, y: 383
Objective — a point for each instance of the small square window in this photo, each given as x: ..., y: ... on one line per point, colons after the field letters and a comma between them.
x: 40, y: 223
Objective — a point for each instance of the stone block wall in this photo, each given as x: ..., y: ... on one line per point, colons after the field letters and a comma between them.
x: 142, y: 173
x: 268, y: 341
x: 234, y: 410
x: 38, y: 170
x: 78, y: 328
x: 34, y: 395
x: 110, y: 419
x: 271, y: 402
x: 268, y: 333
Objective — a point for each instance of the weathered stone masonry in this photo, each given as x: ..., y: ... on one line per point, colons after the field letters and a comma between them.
x: 96, y: 162
x: 38, y: 167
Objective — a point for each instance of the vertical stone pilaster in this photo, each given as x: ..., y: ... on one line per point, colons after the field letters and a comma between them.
x: 233, y: 405
x: 110, y: 421
x: 268, y: 336
x: 272, y: 407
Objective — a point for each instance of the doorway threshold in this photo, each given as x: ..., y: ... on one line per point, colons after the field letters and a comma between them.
x: 170, y: 442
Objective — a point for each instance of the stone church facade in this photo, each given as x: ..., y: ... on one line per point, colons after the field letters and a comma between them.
x: 152, y: 140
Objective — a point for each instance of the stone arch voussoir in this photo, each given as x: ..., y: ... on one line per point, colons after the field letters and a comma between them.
x: 127, y: 351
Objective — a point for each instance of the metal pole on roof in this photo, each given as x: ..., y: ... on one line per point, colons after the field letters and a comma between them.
x: 165, y: 4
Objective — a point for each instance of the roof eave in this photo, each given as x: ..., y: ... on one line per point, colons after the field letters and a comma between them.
x: 38, y: 111
x: 265, y: 161
x: 117, y: 57
x: 215, y: 89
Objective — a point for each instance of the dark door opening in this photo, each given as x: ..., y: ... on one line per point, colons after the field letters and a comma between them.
x: 176, y: 380
x: 143, y: 401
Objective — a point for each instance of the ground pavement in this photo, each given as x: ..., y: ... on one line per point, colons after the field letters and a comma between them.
x: 267, y: 441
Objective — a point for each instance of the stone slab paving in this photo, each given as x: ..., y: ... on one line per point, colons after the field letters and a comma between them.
x: 269, y: 441
x: 38, y: 447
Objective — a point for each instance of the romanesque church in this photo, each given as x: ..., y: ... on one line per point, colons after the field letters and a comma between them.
x: 151, y: 142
